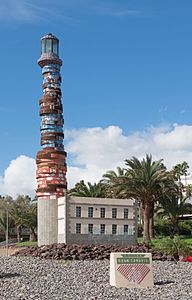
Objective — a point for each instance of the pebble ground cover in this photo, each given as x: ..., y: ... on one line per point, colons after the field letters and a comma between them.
x: 25, y: 278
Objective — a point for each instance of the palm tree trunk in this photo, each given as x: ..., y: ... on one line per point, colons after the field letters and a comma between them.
x: 18, y: 234
x: 141, y: 214
x: 146, y: 217
x: 33, y: 235
x: 151, y: 222
x: 175, y: 228
x: 151, y: 228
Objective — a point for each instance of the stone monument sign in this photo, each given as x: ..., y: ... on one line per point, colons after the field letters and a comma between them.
x: 131, y: 270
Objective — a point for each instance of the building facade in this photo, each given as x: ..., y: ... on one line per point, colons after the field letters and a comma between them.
x: 97, y: 221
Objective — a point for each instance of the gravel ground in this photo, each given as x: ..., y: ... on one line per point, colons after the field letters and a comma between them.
x: 27, y: 278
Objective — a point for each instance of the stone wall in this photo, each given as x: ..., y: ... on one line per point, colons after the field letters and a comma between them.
x: 107, y: 239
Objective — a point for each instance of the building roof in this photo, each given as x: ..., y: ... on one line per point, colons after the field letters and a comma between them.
x: 49, y: 36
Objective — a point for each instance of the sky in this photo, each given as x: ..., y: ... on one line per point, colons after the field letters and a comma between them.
x: 126, y: 84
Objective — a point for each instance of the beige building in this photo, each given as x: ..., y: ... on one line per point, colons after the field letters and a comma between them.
x: 97, y: 221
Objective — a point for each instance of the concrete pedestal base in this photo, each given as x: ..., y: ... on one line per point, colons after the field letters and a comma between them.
x: 47, y: 221
x: 62, y: 220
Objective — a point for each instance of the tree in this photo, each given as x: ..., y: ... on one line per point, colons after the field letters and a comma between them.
x: 180, y: 170
x: 111, y: 179
x: 21, y: 213
x: 30, y: 221
x: 188, y: 190
x: 18, y: 211
x: 173, y: 204
x: 24, y: 213
x: 97, y: 190
x: 143, y: 181
x: 5, y: 217
x: 147, y: 178
x: 16, y: 214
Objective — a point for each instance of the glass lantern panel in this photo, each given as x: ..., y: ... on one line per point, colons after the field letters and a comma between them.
x: 43, y: 43
x: 55, y: 47
x: 48, y: 45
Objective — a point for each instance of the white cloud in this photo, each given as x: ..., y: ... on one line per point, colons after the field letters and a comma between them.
x: 19, y: 177
x: 96, y: 150
x: 93, y: 151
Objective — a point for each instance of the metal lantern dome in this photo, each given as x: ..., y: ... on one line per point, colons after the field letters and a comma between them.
x: 50, y: 44
x: 49, y: 51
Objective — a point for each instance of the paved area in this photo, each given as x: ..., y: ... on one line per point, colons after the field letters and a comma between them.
x: 4, y: 252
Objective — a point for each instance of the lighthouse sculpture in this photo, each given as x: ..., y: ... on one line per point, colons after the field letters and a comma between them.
x: 51, y: 159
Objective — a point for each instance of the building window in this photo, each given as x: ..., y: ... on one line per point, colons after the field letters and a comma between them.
x: 90, y: 228
x: 102, y: 228
x: 126, y: 212
x: 126, y: 229
x: 114, y: 213
x: 78, y: 211
x: 102, y: 212
x: 114, y: 228
x: 90, y: 212
x: 78, y: 228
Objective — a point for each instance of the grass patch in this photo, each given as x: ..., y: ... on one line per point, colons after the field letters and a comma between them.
x: 156, y: 243
x: 188, y: 239
x: 26, y: 244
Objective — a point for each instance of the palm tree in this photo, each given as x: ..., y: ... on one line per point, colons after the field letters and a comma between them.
x: 16, y: 214
x: 111, y: 175
x: 97, y: 190
x: 111, y: 180
x: 180, y: 170
x: 173, y: 205
x: 5, y: 217
x: 188, y: 190
x: 24, y: 213
x: 147, y: 178
x: 18, y: 210
x: 30, y: 221
x: 143, y: 181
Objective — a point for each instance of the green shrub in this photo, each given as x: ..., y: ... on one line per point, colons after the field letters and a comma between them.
x: 140, y: 230
x: 176, y: 247
x: 185, y: 227
x: 162, y: 227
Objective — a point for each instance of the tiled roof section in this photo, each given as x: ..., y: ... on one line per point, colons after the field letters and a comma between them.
x: 49, y: 36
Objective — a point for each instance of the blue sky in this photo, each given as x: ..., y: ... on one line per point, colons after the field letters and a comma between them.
x: 127, y: 64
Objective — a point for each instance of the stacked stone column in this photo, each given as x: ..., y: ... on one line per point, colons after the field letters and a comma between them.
x: 51, y: 159
x: 51, y: 165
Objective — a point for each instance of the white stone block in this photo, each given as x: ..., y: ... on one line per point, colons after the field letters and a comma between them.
x: 131, y: 270
x: 61, y: 200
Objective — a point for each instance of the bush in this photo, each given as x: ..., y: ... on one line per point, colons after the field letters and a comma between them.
x: 140, y: 230
x: 176, y: 247
x: 162, y: 227
x: 185, y: 227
